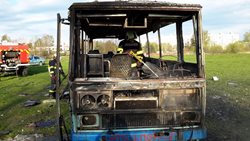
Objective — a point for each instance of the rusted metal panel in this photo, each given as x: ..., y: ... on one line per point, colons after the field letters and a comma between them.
x: 121, y: 84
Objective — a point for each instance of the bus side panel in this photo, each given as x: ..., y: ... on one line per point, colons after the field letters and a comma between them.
x: 140, y: 135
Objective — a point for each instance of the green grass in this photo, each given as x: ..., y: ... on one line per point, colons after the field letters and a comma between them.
x: 234, y: 103
x: 187, y: 58
x: 229, y: 68
x: 13, y: 115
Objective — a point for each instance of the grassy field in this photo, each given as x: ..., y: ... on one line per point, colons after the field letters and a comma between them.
x: 14, y: 91
x: 228, y: 106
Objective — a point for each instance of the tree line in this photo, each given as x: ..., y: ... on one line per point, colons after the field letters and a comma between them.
x: 44, y: 41
x: 189, y: 47
x: 110, y: 45
x: 213, y: 48
x: 208, y: 45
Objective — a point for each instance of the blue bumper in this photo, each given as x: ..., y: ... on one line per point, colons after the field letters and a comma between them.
x: 140, y: 135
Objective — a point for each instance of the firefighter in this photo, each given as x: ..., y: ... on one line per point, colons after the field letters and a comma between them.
x: 128, y: 44
x: 52, y: 72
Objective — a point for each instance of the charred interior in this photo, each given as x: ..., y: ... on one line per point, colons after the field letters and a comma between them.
x: 118, y: 65
x: 102, y: 21
x: 170, y: 93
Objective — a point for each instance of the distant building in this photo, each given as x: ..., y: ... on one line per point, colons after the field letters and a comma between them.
x: 224, y: 39
x: 64, y: 47
x: 8, y: 43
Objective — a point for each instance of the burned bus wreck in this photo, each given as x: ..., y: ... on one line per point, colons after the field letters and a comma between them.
x: 167, y: 102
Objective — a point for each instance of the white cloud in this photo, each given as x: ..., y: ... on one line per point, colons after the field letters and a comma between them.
x: 244, y: 13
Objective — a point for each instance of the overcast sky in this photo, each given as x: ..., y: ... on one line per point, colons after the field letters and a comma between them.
x: 27, y: 20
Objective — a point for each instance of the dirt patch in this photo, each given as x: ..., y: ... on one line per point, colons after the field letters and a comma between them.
x: 226, y: 119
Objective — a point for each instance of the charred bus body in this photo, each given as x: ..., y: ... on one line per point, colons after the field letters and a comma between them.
x: 108, y: 105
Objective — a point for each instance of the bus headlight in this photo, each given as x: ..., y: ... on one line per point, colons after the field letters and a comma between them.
x: 87, y: 101
x: 103, y: 101
x: 192, y: 118
x: 89, y: 120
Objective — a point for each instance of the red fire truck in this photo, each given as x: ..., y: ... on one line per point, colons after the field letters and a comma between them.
x: 14, y: 58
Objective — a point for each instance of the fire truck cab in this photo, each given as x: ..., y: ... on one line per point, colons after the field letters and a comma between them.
x: 14, y: 58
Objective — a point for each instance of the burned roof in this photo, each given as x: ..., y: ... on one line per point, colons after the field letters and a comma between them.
x: 112, y: 19
x: 133, y: 5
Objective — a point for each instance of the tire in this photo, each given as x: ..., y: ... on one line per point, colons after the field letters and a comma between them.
x: 23, y: 71
x: 40, y: 63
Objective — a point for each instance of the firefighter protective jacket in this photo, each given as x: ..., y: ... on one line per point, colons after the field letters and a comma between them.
x: 126, y: 46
